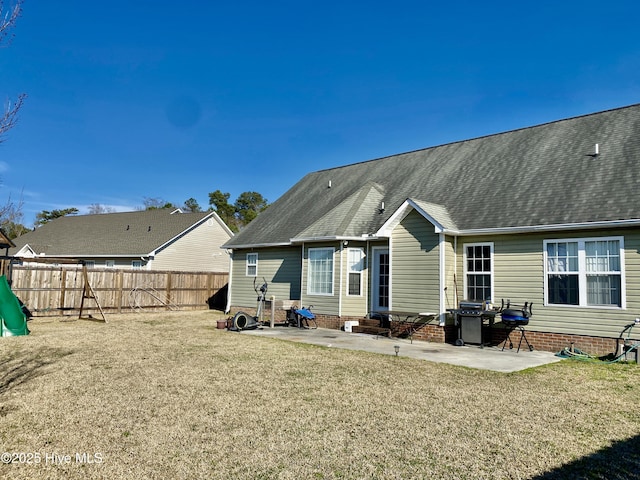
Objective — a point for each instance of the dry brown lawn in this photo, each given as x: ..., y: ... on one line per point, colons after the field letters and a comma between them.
x: 170, y: 396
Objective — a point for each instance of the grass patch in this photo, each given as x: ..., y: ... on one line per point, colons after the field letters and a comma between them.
x: 169, y: 396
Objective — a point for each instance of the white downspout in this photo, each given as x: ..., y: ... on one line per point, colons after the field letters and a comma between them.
x: 455, y: 272
x: 389, y: 249
x: 367, y: 285
x: 228, y: 307
x: 301, y: 274
x: 341, y: 280
x: 442, y: 250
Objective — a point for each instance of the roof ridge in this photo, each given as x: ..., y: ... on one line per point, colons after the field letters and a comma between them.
x: 489, y: 135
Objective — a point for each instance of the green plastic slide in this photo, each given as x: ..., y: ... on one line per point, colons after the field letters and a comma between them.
x: 13, y: 321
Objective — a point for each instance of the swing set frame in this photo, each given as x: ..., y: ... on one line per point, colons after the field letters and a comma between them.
x: 88, y: 293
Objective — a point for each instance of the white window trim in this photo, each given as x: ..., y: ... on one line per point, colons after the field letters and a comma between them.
x: 333, y: 271
x: 359, y: 272
x: 136, y: 264
x: 251, y: 264
x: 465, y: 271
x: 582, y: 273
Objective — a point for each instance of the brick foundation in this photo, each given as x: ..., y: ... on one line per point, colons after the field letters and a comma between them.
x: 544, y: 341
x: 555, y: 342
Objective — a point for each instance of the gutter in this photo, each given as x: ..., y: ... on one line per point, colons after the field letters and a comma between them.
x: 302, y: 240
x: 226, y: 246
x: 80, y: 255
x: 334, y: 238
x: 545, y: 228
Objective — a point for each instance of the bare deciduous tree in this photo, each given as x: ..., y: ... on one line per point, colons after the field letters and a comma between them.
x: 96, y: 208
x: 9, y: 112
x: 11, y: 214
x: 11, y: 218
x: 9, y: 115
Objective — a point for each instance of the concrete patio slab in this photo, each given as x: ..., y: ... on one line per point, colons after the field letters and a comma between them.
x: 472, y: 356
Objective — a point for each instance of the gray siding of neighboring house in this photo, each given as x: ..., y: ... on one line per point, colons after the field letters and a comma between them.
x: 355, y: 305
x: 415, y: 264
x: 185, y: 253
x: 519, y: 276
x: 280, y: 267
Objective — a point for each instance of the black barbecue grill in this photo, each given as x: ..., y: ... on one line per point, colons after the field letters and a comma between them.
x: 515, y: 318
x: 470, y: 318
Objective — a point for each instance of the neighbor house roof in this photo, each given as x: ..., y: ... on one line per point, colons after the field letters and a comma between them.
x: 545, y: 176
x: 5, y: 242
x: 125, y: 234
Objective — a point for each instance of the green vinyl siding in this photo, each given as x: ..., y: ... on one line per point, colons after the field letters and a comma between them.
x: 519, y: 276
x: 451, y: 299
x: 280, y: 267
x: 355, y: 305
x: 326, y: 304
x: 415, y: 265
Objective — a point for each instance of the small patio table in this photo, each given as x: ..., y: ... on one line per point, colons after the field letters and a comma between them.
x: 414, y: 320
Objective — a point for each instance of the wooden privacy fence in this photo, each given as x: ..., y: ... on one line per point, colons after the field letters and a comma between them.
x: 53, y: 291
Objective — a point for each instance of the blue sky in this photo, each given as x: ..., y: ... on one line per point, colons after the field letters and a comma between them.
x: 139, y: 99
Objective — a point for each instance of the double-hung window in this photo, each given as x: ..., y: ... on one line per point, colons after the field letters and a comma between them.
x: 252, y: 264
x: 584, y: 272
x: 320, y: 272
x: 355, y: 267
x: 478, y: 259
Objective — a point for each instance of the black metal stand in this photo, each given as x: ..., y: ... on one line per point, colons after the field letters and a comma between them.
x: 523, y: 336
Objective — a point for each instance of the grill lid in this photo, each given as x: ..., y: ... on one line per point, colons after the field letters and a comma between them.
x: 469, y: 305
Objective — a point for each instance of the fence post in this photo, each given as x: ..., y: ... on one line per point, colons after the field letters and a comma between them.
x: 63, y: 288
x: 168, y: 290
x: 119, y: 292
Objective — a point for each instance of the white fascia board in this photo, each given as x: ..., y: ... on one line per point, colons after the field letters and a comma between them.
x: 222, y: 224
x: 549, y: 228
x: 408, y: 205
x: 402, y: 211
x: 331, y: 238
x: 26, y: 250
x: 255, y: 245
x: 104, y: 255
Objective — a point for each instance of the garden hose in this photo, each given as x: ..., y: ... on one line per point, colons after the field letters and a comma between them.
x: 580, y: 355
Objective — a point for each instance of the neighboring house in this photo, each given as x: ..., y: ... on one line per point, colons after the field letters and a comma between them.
x: 151, y: 239
x: 548, y: 214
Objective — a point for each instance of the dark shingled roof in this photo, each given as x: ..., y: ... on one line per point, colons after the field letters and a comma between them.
x: 117, y: 234
x: 537, y: 176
